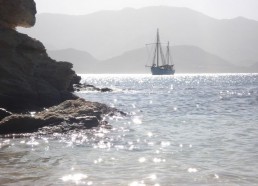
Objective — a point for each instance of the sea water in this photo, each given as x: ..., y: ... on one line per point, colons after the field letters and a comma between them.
x: 179, y: 130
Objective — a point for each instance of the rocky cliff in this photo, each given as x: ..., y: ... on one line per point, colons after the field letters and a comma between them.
x: 29, y: 78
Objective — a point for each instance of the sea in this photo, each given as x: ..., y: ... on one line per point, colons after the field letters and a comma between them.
x: 186, y: 129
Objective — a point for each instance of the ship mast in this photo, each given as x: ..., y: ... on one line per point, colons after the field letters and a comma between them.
x: 158, y: 53
x: 168, y: 54
x: 157, y: 46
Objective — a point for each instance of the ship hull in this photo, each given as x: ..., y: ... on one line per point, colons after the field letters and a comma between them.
x: 162, y: 71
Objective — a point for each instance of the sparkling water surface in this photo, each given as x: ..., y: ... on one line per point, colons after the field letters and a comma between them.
x: 180, y: 130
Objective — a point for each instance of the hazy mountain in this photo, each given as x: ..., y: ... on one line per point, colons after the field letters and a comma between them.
x: 187, y: 59
x: 110, y: 33
x: 253, y: 68
x: 129, y: 62
x: 82, y: 61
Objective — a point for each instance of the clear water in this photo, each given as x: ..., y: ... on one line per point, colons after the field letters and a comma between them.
x: 181, y: 130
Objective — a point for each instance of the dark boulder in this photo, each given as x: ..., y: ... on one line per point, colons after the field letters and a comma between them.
x: 69, y: 115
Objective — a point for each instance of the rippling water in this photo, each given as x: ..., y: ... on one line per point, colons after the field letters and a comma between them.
x: 181, y: 130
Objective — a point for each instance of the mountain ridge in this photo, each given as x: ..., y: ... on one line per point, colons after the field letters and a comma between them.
x: 107, y: 34
x: 187, y: 59
x: 135, y: 9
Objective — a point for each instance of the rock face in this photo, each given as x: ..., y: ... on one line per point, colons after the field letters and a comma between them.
x: 29, y: 79
x: 17, y: 13
x: 69, y: 115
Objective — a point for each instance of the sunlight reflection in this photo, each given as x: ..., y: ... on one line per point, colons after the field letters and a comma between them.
x: 4, y: 143
x: 102, y: 145
x: 192, y: 170
x: 89, y: 183
x: 153, y: 177
x: 165, y: 143
x: 76, y: 178
x: 32, y: 114
x: 136, y: 183
x: 99, y: 160
x: 137, y: 120
x: 32, y: 142
x: 131, y: 147
x: 158, y: 160
x: 142, y: 159
x: 216, y: 176
x: 150, y: 134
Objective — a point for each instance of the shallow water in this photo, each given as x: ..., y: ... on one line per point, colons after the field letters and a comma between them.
x: 181, y: 130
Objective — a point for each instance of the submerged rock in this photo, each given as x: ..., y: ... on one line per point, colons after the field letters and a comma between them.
x: 87, y: 87
x: 29, y: 78
x: 69, y: 115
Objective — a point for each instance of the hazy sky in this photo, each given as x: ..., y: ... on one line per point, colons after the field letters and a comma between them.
x: 214, y: 8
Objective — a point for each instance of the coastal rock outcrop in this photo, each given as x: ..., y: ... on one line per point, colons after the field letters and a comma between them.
x: 69, y: 115
x: 15, y: 13
x: 29, y: 78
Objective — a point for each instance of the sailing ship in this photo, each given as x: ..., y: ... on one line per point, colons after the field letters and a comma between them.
x: 161, y: 64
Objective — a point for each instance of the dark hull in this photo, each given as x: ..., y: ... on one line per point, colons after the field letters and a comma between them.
x: 162, y: 71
